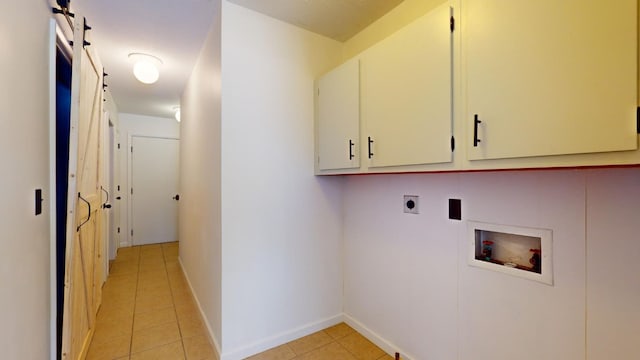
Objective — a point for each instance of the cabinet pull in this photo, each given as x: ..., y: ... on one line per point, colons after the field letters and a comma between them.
x: 475, y: 130
x: 351, y: 150
x: 370, y: 153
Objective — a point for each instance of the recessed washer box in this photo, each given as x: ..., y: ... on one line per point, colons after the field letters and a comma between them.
x: 519, y: 251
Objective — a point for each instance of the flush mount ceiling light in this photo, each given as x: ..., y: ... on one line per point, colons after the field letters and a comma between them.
x: 146, y: 68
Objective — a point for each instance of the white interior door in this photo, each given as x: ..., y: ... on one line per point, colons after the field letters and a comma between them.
x: 117, y: 194
x: 154, y: 179
x: 113, y: 233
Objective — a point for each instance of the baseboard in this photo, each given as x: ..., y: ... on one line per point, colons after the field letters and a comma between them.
x: 381, y: 342
x: 265, y: 344
x: 212, y: 338
x: 124, y: 243
x: 282, y: 338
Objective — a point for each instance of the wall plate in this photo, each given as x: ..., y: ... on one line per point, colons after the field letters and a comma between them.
x: 455, y: 209
x: 411, y: 204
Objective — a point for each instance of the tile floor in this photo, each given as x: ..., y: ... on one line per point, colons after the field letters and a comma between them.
x: 339, y: 342
x: 148, y: 312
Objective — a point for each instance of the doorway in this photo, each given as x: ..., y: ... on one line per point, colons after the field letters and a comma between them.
x: 63, y: 120
x: 154, y: 190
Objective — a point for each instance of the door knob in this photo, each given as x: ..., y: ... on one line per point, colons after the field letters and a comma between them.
x: 177, y: 197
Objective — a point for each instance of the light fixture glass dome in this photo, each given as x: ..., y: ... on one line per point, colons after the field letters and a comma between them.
x: 146, y: 68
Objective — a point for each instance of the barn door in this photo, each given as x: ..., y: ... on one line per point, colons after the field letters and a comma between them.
x: 84, y: 250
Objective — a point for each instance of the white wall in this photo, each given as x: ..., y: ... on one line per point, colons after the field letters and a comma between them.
x: 129, y: 125
x: 281, y: 226
x: 260, y: 235
x: 24, y: 156
x: 405, y: 285
x: 613, y: 250
x: 200, y: 189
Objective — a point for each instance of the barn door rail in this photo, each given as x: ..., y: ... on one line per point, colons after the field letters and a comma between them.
x: 89, y: 217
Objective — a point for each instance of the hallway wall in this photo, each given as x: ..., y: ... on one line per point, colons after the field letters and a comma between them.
x: 24, y: 157
x: 260, y: 235
x: 281, y: 225
x: 199, y: 209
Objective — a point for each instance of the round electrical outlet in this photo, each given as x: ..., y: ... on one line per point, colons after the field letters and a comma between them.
x: 411, y: 204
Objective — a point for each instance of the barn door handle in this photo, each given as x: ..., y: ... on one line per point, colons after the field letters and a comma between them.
x: 370, y: 153
x: 476, y: 141
x: 177, y: 197
x: 89, y: 217
x: 106, y: 204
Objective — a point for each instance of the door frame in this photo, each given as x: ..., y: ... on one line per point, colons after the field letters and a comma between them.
x: 113, y: 176
x: 130, y: 137
x: 107, y: 170
x: 58, y: 39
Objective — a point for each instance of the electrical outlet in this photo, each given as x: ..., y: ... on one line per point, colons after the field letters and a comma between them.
x: 411, y: 204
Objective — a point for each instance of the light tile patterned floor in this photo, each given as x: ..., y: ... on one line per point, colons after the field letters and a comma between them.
x: 148, y: 311
x: 339, y: 342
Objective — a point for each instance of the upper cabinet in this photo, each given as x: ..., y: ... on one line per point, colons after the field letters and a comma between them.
x: 338, y: 126
x: 406, y: 94
x: 514, y: 84
x: 549, y: 77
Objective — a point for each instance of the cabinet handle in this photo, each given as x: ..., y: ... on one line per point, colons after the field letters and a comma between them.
x: 476, y: 141
x: 351, y: 149
x: 370, y: 153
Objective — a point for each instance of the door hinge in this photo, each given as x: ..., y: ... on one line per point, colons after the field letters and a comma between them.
x: 131, y: 232
x: 118, y: 230
x: 453, y: 144
x: 118, y: 187
x: 118, y: 146
x: 452, y: 23
x: 132, y: 149
x: 131, y: 191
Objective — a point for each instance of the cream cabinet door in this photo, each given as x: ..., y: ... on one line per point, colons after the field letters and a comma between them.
x: 549, y: 77
x: 406, y: 91
x: 338, y: 100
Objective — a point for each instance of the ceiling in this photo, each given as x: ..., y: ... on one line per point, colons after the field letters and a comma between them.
x: 174, y: 31
x: 337, y: 19
x: 171, y: 30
